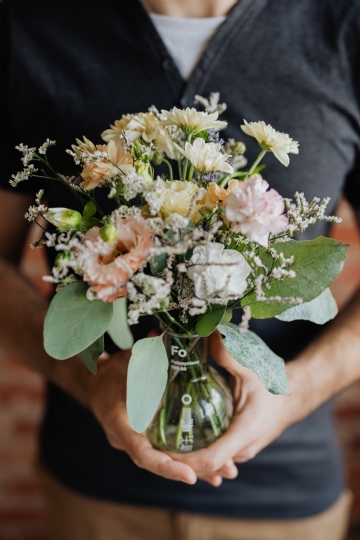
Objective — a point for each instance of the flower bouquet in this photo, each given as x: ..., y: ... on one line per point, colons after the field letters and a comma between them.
x: 189, y: 248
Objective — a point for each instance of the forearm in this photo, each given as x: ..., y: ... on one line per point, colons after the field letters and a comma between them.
x: 22, y: 313
x: 330, y: 364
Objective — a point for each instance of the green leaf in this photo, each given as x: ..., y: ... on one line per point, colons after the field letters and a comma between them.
x: 119, y: 330
x: 89, y: 223
x: 146, y: 381
x: 158, y: 264
x: 73, y: 322
x: 208, y: 322
x: 91, y: 354
x: 320, y: 310
x: 227, y: 316
x: 89, y: 210
x: 317, y: 263
x: 251, y: 352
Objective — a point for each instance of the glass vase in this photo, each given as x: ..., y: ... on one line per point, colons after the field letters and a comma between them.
x: 197, y: 404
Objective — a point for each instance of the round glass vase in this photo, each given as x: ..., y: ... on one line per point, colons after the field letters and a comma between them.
x: 197, y: 404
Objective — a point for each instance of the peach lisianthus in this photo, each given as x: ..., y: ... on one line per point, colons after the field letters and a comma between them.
x: 108, y: 266
x: 219, y: 194
x: 96, y: 172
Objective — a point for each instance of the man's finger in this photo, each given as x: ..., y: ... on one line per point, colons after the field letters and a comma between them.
x: 147, y: 457
x: 212, y: 459
x: 214, y: 481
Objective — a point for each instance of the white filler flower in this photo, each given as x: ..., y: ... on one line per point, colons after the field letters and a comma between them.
x: 192, y: 121
x: 216, y: 271
x: 206, y: 157
x: 280, y: 144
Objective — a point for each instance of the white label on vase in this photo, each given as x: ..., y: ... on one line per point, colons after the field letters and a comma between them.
x: 187, y: 423
x: 186, y: 443
x: 180, y: 352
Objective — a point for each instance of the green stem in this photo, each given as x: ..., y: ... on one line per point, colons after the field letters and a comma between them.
x: 186, y: 162
x: 238, y: 174
x: 257, y: 161
x: 191, y: 172
x: 170, y: 169
x: 171, y: 318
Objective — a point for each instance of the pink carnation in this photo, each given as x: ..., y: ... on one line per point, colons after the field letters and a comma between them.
x: 256, y: 212
x: 109, y: 266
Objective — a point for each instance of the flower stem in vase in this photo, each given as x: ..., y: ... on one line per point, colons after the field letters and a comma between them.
x: 197, y: 405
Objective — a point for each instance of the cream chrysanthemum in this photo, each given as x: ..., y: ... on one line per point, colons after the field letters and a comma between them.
x: 206, y: 157
x: 144, y: 125
x: 116, y: 129
x: 192, y: 121
x: 280, y: 144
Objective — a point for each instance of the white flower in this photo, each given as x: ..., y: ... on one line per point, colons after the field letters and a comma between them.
x: 280, y: 144
x: 144, y: 125
x: 218, y: 271
x: 174, y: 197
x: 206, y: 157
x: 176, y: 221
x: 254, y: 211
x: 192, y: 121
x: 63, y: 218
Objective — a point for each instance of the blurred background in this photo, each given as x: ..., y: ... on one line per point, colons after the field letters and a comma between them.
x: 21, y: 406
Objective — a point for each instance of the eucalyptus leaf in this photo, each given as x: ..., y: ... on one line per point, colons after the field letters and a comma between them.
x: 146, y: 381
x: 91, y: 354
x: 119, y: 330
x: 158, y: 264
x: 73, y: 322
x: 320, y: 310
x: 251, y: 352
x: 317, y: 263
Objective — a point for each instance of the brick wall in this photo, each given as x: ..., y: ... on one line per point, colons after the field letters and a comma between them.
x: 21, y: 401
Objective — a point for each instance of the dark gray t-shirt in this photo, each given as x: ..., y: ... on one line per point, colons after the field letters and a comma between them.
x: 70, y: 68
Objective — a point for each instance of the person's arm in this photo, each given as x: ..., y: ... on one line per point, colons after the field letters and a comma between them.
x: 330, y: 364
x: 22, y: 313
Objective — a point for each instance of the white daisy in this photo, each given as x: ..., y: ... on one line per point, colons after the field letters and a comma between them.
x: 192, y: 121
x: 206, y: 157
x: 280, y: 144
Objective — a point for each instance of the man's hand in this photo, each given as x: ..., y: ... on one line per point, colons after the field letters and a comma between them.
x: 107, y: 400
x: 259, y: 417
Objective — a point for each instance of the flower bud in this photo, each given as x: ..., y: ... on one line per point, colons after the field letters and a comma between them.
x: 142, y: 169
x: 63, y: 218
x: 157, y: 158
x: 109, y: 233
x: 238, y: 148
x: 165, y: 303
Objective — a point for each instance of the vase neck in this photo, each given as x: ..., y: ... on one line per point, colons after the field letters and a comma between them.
x: 185, y: 352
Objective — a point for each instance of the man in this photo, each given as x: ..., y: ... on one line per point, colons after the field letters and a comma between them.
x: 70, y: 68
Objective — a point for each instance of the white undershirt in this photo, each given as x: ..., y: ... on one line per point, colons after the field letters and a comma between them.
x: 186, y: 38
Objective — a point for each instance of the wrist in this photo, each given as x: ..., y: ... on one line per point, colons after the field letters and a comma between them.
x: 297, y: 403
x: 73, y: 376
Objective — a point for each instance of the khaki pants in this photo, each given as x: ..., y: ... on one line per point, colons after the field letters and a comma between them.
x: 74, y: 517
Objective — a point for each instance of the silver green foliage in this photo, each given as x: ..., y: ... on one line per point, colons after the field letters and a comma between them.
x: 320, y: 310
x: 251, y: 352
x: 146, y: 381
x: 119, y: 330
x: 317, y: 263
x: 73, y: 322
x: 91, y: 354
